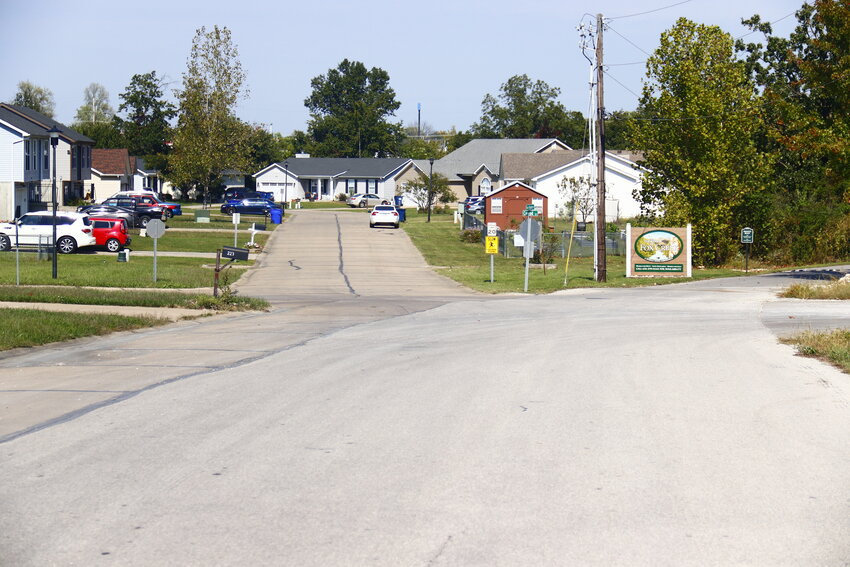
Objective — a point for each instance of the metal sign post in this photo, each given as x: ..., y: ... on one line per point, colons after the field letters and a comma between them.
x: 155, y: 229
x: 235, y: 227
x: 528, y: 245
x: 747, y: 238
x: 492, y: 246
x: 17, y: 255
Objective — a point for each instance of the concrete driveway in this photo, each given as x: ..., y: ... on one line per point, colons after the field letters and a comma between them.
x: 353, y: 426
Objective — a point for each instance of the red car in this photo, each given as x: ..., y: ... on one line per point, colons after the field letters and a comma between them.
x: 111, y: 233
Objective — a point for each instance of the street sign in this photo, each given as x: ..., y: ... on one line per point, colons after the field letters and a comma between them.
x: 492, y: 229
x: 491, y: 245
x: 155, y: 228
x: 529, y: 211
x: 234, y: 253
x: 530, y: 229
x: 747, y: 235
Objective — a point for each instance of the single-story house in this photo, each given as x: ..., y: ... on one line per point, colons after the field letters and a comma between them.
x: 326, y: 178
x: 111, y: 171
x: 474, y: 168
x: 547, y: 172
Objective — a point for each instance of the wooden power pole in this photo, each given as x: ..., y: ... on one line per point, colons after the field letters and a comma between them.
x: 601, y: 261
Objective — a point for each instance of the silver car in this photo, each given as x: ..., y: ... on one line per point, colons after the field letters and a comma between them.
x: 363, y: 200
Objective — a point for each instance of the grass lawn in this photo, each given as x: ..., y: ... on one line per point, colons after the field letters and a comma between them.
x: 105, y: 271
x: 219, y: 221
x: 468, y: 264
x: 195, y: 241
x: 29, y: 327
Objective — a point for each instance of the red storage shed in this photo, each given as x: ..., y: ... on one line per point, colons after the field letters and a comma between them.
x: 505, y: 206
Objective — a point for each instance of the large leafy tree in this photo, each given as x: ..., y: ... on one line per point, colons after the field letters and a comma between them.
x: 146, y: 126
x: 805, y: 80
x: 34, y: 97
x: 350, y: 108
x: 700, y: 115
x: 209, y: 138
x: 528, y: 109
x: 95, y: 107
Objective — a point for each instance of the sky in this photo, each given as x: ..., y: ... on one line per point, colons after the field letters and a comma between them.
x: 444, y: 55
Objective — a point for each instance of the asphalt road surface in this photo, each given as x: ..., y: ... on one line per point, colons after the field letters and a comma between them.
x: 380, y: 415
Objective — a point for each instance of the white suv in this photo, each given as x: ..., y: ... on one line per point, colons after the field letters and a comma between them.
x: 73, y: 230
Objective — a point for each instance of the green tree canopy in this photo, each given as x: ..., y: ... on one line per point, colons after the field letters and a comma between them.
x: 146, y: 127
x: 528, y: 109
x: 34, y: 97
x: 209, y: 138
x: 700, y: 117
x: 350, y: 107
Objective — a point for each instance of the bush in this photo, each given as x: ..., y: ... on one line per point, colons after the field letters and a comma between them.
x: 341, y: 197
x: 470, y: 235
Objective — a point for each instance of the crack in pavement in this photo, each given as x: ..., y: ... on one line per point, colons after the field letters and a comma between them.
x: 341, y: 261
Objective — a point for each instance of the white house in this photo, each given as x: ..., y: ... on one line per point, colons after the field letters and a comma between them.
x: 325, y: 178
x: 546, y: 172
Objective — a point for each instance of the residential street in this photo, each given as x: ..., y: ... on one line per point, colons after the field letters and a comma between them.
x: 380, y: 414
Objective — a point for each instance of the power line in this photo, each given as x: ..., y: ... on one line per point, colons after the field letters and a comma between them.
x: 636, y: 46
x: 651, y: 11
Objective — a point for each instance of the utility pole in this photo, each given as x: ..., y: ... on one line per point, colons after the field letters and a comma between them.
x: 601, y: 261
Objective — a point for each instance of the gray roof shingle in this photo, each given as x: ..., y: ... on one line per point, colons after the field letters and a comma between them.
x: 38, y: 124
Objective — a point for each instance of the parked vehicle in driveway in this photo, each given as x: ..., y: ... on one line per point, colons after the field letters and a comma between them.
x: 249, y: 207
x: 110, y: 233
x: 144, y: 212
x: 238, y: 193
x: 73, y: 231
x: 152, y: 199
x: 364, y: 200
x: 384, y: 214
x: 474, y: 205
x: 109, y: 211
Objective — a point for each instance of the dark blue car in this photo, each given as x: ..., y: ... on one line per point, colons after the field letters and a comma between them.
x: 249, y: 207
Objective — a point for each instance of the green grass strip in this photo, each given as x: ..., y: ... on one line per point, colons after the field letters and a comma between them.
x: 30, y: 327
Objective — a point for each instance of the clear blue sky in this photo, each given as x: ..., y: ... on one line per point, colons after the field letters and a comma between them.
x: 444, y: 54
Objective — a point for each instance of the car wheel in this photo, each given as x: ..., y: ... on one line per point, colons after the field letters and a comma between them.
x: 143, y: 221
x: 362, y: 204
x: 230, y: 210
x: 113, y: 245
x: 167, y: 214
x: 66, y: 245
x: 396, y: 225
x: 5, y: 243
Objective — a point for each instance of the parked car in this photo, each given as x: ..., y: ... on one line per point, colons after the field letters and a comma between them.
x: 144, y: 212
x: 384, y: 214
x: 73, y: 231
x: 109, y: 211
x: 110, y: 233
x: 238, y: 193
x: 249, y: 207
x: 474, y: 205
x: 364, y: 200
x: 153, y: 199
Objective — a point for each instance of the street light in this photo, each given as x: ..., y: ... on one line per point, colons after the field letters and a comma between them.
x: 430, y: 187
x: 54, y: 141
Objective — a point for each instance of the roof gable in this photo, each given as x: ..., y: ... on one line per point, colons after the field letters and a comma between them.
x: 469, y: 158
x: 111, y: 161
x: 41, y: 123
x: 361, y: 168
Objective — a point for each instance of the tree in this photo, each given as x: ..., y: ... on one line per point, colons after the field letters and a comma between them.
x: 209, y: 138
x: 34, y: 97
x: 95, y: 106
x: 104, y: 134
x: 349, y: 109
x: 425, y: 192
x: 580, y: 194
x: 417, y: 148
x: 146, y: 128
x: 527, y: 109
x: 701, y: 115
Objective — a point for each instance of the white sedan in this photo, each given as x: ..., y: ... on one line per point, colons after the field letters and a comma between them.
x: 383, y: 214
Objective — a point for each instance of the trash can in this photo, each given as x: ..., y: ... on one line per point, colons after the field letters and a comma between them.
x: 399, y: 200
x: 276, y: 215
x: 402, y: 214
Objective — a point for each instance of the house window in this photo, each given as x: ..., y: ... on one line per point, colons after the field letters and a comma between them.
x: 485, y: 187
x: 372, y: 185
x: 496, y: 205
x: 27, y: 152
x: 74, y: 158
x: 45, y: 152
x: 351, y: 186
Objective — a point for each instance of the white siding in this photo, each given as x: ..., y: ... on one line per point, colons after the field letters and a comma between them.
x: 11, y: 156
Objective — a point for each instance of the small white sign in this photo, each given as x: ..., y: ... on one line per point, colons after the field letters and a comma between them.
x: 538, y: 206
x: 492, y: 229
x: 235, y: 218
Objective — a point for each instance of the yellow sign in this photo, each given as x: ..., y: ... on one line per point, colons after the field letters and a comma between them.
x: 491, y: 246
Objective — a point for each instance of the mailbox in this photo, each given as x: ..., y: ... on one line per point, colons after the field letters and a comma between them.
x: 234, y: 253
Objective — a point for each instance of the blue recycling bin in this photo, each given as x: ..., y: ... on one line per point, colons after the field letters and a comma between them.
x: 399, y: 200
x: 276, y: 215
x: 402, y: 214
